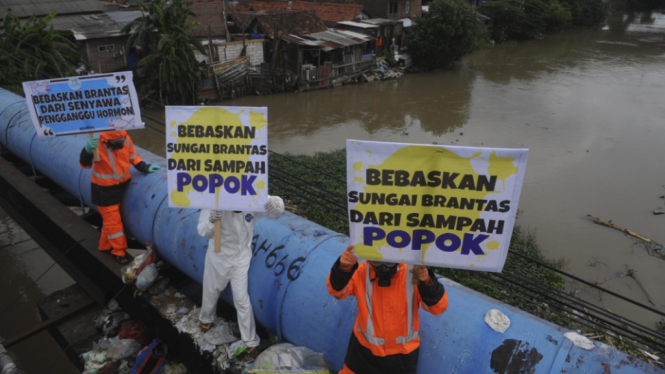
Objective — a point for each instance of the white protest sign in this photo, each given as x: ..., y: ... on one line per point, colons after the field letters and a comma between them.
x: 217, y: 157
x: 433, y: 205
x: 84, y: 104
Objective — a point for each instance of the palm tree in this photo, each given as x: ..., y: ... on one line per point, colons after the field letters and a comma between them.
x: 170, y: 64
x: 31, y: 51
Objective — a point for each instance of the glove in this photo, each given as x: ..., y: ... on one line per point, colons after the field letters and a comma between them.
x: 422, y: 274
x: 154, y: 168
x: 91, y: 144
x: 215, y: 215
x: 347, y: 260
x: 274, y: 206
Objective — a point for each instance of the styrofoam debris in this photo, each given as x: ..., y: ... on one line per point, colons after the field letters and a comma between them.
x: 579, y: 340
x: 497, y: 321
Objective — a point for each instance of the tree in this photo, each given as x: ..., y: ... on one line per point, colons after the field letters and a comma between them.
x: 448, y: 31
x: 170, y: 65
x: 33, y: 52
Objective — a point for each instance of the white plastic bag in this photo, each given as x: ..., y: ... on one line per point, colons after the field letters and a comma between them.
x: 147, y: 277
x: 123, y: 348
x: 287, y: 358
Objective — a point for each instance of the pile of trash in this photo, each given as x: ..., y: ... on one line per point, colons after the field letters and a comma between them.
x: 126, y: 347
x: 286, y: 358
x: 382, y: 71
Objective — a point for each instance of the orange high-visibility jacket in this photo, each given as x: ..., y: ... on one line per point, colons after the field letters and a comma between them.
x: 111, y: 174
x: 113, y: 166
x: 389, y: 324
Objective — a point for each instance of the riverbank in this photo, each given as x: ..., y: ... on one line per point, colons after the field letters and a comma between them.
x: 530, y: 280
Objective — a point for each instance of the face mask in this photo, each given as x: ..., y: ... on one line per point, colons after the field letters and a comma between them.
x: 115, y: 143
x: 385, y: 271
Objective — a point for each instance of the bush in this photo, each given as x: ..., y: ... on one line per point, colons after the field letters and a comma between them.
x: 526, y: 19
x: 444, y: 34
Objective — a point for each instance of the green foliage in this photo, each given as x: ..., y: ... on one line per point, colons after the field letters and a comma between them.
x: 586, y: 12
x: 444, y: 34
x: 558, y: 17
x: 34, y: 51
x: 170, y: 65
x: 516, y: 19
x: 523, y: 243
x: 314, y: 171
x: 526, y: 19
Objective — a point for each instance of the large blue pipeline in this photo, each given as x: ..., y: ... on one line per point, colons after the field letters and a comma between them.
x: 292, y: 257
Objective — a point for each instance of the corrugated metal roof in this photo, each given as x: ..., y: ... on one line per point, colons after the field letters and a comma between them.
x: 124, y: 17
x: 379, y: 21
x: 328, y: 40
x: 362, y: 38
x: 26, y: 8
x: 358, y: 24
x: 93, y: 26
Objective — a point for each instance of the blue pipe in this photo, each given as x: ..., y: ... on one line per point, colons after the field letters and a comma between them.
x: 292, y: 257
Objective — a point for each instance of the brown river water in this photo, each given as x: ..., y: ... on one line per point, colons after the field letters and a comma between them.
x: 588, y: 104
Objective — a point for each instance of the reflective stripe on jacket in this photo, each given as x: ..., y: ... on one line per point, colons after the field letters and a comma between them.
x: 387, y: 321
x: 113, y: 165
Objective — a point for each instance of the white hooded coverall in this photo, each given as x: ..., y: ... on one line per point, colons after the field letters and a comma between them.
x: 230, y: 264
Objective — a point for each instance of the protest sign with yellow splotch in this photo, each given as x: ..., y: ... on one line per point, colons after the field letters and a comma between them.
x: 435, y: 205
x: 217, y: 157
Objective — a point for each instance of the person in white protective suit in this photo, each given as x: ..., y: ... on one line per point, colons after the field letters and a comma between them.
x: 231, y: 264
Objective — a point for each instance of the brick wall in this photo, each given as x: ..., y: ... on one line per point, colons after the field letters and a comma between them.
x: 103, y: 61
x: 377, y: 8
x: 231, y: 51
x: 381, y: 8
x: 208, y: 13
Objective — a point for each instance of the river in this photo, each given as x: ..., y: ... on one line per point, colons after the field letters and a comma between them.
x: 587, y: 103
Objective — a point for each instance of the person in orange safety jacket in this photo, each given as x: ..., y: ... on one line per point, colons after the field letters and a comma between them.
x: 110, y: 177
x: 385, y: 336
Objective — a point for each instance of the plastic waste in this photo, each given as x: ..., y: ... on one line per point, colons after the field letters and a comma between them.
x: 131, y: 271
x: 219, y: 335
x: 286, y: 358
x: 123, y: 348
x: 112, y: 322
x: 175, y: 369
x: 135, y: 330
x: 579, y: 340
x: 236, y: 349
x: 498, y: 321
x: 147, y: 277
x: 94, y: 360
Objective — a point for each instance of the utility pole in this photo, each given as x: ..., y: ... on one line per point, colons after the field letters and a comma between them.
x: 226, y: 26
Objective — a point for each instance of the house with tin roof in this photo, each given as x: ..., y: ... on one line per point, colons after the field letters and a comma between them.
x: 95, y: 26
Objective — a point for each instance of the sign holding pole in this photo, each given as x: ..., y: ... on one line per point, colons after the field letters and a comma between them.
x: 86, y: 104
x: 433, y: 205
x: 217, y: 157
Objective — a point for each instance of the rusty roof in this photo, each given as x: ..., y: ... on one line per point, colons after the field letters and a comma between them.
x: 279, y: 23
x: 329, y: 12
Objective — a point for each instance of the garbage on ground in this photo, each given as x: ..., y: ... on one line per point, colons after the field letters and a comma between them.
x: 497, y: 321
x: 122, y: 349
x: 112, y: 322
x: 286, y: 358
x: 147, y: 277
x: 151, y: 358
x: 131, y: 272
x: 174, y: 369
x: 236, y: 349
x: 135, y: 330
x: 131, y: 344
x: 579, y: 340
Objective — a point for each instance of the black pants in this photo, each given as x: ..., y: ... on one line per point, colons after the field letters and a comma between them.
x: 362, y: 361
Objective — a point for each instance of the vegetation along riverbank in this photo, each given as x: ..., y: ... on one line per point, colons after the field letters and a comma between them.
x: 529, y: 281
